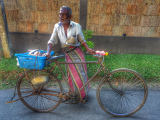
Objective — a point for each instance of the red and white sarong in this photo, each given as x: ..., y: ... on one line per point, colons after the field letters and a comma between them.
x: 77, y: 73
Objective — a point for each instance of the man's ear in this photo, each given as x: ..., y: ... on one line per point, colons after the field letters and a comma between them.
x: 70, y: 16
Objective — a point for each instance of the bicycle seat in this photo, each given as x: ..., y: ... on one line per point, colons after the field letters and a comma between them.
x: 54, y: 58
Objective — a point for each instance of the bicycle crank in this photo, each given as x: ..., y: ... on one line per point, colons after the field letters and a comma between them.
x: 74, y: 98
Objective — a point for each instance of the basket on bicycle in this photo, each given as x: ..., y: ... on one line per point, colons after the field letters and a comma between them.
x: 32, y: 62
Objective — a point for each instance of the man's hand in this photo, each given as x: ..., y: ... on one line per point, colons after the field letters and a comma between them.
x: 48, y: 55
x: 91, y: 51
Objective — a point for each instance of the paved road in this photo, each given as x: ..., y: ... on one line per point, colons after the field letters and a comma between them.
x: 87, y: 111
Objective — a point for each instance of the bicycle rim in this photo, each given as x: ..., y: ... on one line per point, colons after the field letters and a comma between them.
x: 39, y: 99
x: 124, y: 94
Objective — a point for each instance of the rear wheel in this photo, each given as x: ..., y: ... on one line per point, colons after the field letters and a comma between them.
x: 39, y: 98
x: 123, y: 94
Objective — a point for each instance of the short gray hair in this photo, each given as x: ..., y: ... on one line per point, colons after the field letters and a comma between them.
x: 69, y: 10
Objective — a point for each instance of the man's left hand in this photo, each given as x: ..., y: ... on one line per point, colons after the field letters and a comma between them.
x: 91, y: 51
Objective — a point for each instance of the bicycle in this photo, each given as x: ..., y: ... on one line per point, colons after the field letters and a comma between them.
x: 121, y: 92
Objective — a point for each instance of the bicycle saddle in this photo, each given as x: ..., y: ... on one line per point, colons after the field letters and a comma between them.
x: 54, y: 58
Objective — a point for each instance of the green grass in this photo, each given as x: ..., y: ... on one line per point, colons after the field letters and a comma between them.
x: 147, y: 65
x: 8, y: 73
x: 8, y: 64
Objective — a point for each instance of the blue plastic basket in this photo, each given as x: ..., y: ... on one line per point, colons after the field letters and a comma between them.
x: 32, y: 62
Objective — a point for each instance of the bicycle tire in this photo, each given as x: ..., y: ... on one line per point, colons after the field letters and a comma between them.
x: 123, y: 94
x: 39, y: 102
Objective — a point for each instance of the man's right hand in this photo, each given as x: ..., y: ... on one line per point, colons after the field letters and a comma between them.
x: 48, y: 55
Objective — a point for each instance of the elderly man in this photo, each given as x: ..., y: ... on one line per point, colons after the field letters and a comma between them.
x: 71, y: 37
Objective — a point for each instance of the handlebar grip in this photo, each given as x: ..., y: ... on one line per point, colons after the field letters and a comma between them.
x: 106, y: 54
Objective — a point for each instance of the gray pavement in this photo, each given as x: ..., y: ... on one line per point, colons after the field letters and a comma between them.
x: 87, y: 111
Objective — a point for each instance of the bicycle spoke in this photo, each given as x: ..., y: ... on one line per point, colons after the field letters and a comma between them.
x: 130, y: 101
x: 128, y: 105
x: 48, y: 98
x: 134, y: 84
x: 45, y: 90
x: 27, y: 91
x: 136, y: 97
x: 115, y: 105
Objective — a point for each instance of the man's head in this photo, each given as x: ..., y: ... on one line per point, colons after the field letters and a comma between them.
x: 65, y: 14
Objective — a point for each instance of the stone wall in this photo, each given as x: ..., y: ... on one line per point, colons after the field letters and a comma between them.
x: 133, y: 17
x: 104, y: 17
x: 30, y: 15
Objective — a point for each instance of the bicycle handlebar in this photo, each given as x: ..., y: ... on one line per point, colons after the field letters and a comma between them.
x: 99, y: 54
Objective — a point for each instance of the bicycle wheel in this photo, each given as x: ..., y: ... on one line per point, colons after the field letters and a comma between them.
x: 39, y: 99
x: 123, y: 94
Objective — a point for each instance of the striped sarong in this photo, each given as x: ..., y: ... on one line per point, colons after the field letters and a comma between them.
x: 77, y: 73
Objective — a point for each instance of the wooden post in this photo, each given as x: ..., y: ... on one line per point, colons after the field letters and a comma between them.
x: 83, y: 14
x: 4, y: 33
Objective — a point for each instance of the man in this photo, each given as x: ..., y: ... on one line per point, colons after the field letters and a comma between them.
x: 71, y: 37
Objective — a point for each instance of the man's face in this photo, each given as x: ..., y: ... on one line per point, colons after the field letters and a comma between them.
x: 64, y: 16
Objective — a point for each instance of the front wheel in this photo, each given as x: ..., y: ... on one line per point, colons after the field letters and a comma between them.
x: 39, y: 98
x: 123, y: 93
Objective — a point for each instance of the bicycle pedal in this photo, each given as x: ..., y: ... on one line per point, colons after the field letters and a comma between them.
x: 86, y: 98
x: 83, y: 101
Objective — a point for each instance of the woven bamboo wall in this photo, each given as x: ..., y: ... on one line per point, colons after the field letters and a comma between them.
x: 133, y: 17
x: 41, y: 15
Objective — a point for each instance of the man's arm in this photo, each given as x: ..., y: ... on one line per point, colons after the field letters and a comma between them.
x: 87, y: 48
x: 53, y: 40
x: 82, y: 40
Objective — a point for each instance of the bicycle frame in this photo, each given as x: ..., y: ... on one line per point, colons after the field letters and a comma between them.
x: 100, y: 68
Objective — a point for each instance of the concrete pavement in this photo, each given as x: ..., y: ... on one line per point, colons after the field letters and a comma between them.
x: 89, y: 110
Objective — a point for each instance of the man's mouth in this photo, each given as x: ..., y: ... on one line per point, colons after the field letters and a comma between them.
x: 62, y: 19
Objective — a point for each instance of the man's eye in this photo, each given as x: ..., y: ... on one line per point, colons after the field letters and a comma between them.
x: 64, y: 14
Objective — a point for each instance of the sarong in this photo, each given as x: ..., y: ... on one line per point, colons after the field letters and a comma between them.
x: 77, y: 73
